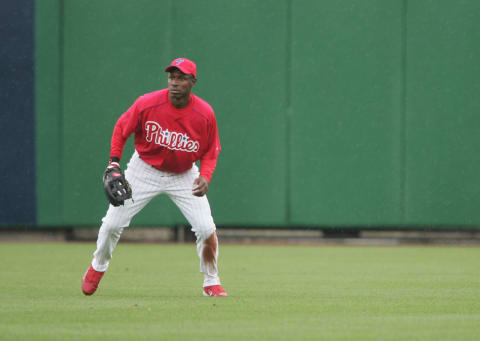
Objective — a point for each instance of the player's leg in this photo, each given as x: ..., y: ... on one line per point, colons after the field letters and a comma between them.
x: 113, y: 224
x: 197, y: 211
x: 142, y: 180
x: 144, y: 187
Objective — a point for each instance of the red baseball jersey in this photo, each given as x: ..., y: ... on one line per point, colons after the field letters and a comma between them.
x: 168, y: 138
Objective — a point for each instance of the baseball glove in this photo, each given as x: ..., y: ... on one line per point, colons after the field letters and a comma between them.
x: 117, y: 189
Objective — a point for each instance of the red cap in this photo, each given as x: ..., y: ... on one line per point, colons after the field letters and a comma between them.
x: 185, y: 65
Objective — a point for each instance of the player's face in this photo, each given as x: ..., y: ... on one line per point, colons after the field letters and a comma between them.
x: 180, y: 84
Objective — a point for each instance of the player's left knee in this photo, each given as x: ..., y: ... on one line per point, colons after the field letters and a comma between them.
x: 210, y: 248
x: 203, y: 234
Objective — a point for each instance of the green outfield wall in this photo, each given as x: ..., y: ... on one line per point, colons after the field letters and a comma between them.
x: 355, y: 113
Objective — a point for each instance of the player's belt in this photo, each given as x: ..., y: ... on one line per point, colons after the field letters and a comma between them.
x: 169, y: 171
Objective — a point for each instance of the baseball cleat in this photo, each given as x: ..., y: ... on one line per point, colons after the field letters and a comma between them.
x: 90, y: 281
x: 214, y: 290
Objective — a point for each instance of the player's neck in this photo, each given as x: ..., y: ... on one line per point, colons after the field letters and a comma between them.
x: 179, y: 102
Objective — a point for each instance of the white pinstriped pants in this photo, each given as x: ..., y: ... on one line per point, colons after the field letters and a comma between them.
x: 146, y: 183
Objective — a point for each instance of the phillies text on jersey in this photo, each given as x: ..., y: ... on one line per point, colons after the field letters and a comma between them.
x: 170, y: 139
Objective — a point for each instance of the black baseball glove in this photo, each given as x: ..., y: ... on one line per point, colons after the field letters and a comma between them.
x: 117, y: 189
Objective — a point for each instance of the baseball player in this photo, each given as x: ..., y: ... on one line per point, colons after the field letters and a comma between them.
x: 173, y: 128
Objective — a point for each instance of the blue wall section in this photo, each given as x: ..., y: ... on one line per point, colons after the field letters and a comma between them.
x: 17, y: 119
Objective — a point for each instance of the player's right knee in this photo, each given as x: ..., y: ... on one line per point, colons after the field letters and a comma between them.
x: 110, y: 228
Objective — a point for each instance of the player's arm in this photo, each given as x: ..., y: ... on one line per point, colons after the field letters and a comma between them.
x: 124, y: 127
x: 208, y: 161
x: 200, y: 185
x: 117, y: 188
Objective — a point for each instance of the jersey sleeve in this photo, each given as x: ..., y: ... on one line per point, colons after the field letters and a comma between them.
x: 125, y: 126
x: 208, y: 161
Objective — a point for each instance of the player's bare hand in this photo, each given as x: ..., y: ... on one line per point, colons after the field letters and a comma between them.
x: 200, y: 187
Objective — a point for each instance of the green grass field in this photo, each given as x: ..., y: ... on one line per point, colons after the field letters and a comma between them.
x: 153, y: 292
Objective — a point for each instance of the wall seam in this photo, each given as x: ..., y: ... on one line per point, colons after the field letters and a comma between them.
x: 288, y: 113
x: 61, y: 150
x: 403, y: 123
x: 172, y: 52
x: 34, y: 116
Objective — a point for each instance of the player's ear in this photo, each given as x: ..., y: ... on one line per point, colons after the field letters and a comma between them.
x: 194, y: 81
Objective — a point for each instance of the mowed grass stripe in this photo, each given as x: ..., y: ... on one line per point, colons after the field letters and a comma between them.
x: 153, y: 292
